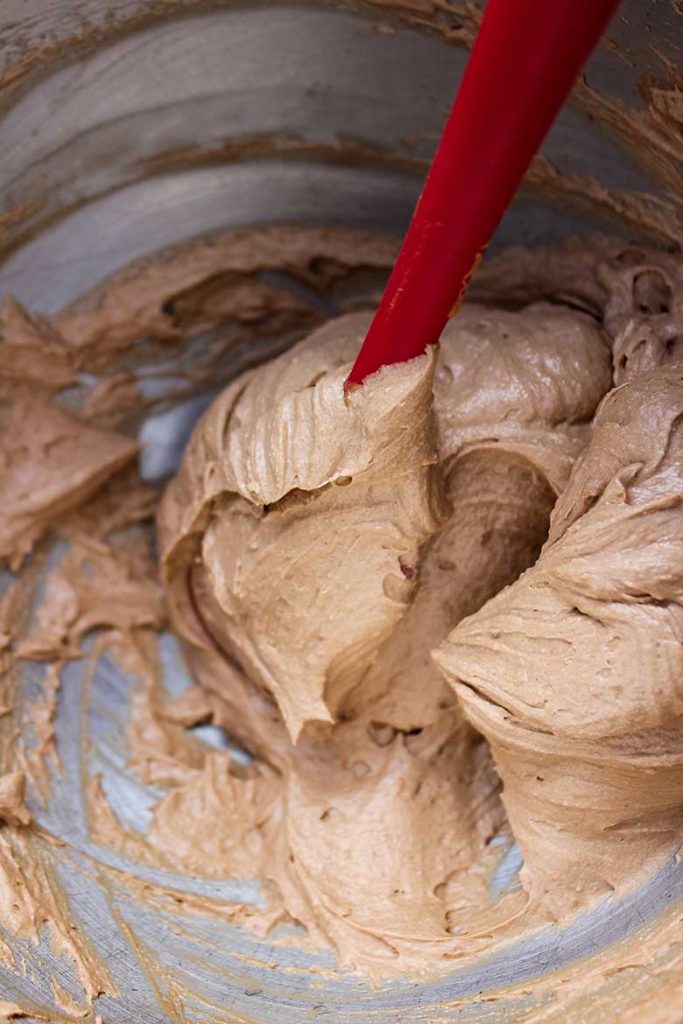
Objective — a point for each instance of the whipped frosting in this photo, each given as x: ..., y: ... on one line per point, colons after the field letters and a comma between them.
x: 574, y: 672
x: 423, y: 505
x: 325, y: 544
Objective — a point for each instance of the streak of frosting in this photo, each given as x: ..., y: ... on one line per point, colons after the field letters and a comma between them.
x: 13, y: 810
x: 50, y: 462
x: 215, y: 281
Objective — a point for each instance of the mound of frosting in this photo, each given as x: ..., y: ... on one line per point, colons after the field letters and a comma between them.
x: 306, y: 505
x: 575, y: 672
x: 316, y: 549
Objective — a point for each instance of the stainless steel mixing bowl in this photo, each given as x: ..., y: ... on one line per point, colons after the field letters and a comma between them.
x: 129, y: 126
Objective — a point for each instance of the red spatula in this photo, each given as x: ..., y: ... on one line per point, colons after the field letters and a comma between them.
x: 525, y: 60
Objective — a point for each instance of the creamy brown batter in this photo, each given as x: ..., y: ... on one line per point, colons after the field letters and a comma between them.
x: 333, y: 565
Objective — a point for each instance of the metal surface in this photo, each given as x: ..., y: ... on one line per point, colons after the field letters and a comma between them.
x: 120, y: 147
x: 89, y: 141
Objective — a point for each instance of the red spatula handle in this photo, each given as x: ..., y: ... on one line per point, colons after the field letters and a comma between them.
x: 524, y: 62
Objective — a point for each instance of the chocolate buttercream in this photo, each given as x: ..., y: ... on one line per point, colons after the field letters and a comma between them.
x: 371, y: 533
x: 326, y: 544
x: 574, y: 672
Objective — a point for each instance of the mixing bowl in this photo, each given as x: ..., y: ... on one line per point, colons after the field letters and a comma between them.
x: 132, y: 127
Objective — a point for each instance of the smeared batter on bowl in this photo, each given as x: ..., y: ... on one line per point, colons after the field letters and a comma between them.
x: 317, y: 552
